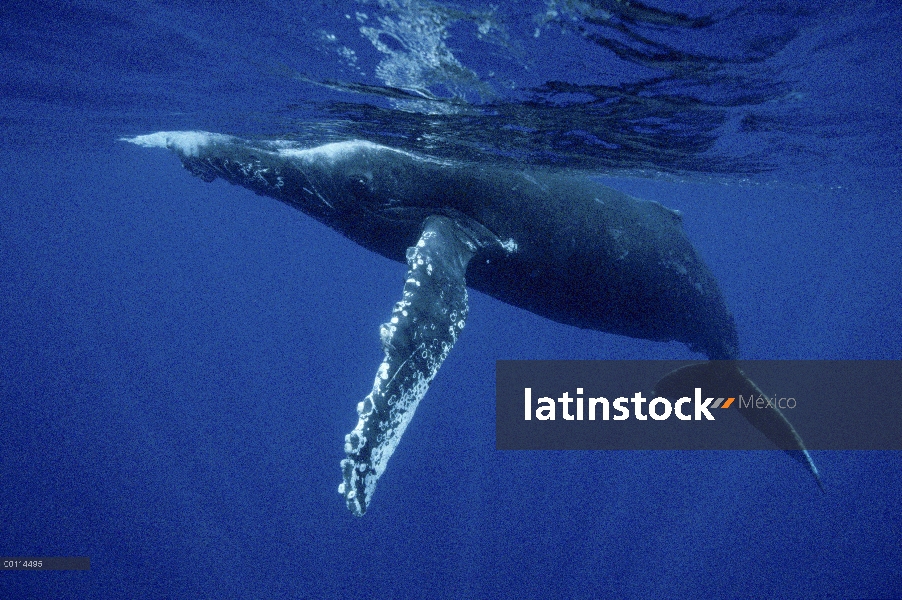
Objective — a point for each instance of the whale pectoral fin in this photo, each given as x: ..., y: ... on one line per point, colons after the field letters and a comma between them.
x: 423, y: 327
x: 725, y: 378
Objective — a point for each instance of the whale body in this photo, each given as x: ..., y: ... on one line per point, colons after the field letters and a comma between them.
x: 559, y: 245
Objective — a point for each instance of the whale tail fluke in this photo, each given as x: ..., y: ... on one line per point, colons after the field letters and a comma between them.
x: 726, y: 379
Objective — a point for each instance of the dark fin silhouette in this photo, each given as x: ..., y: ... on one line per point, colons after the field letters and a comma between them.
x: 725, y: 378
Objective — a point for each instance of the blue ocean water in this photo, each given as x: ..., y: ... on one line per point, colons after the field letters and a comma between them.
x: 180, y: 361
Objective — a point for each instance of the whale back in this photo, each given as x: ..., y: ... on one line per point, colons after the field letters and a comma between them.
x: 596, y: 258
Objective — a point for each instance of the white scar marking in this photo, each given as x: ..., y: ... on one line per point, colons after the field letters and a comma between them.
x: 336, y: 151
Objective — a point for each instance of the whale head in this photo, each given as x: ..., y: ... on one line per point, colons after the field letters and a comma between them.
x: 363, y: 189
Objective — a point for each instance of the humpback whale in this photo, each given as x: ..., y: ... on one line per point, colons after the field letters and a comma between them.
x: 559, y: 245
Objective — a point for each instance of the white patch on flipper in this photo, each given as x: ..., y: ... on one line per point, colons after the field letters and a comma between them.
x: 406, y: 404
x: 186, y: 143
x: 402, y: 410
